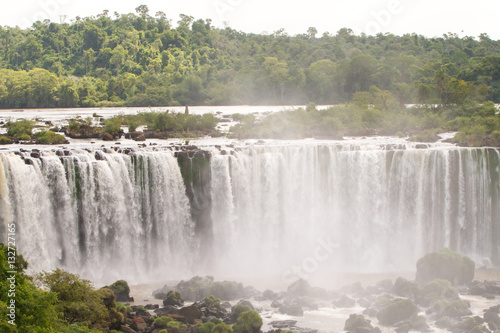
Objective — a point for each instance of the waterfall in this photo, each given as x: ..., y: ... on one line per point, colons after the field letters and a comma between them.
x: 293, y: 210
x: 104, y: 215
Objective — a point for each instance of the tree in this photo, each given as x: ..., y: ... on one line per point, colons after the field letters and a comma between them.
x: 78, y: 301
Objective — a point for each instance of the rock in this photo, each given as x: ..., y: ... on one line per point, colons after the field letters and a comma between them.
x: 127, y: 329
x: 292, y: 310
x: 492, y: 287
x: 173, y: 298
x: 121, y: 289
x: 139, y: 324
x: 107, y: 137
x: 489, y: 296
x: 396, y: 311
x: 403, y: 328
x: 385, y: 285
x: 353, y: 288
x: 190, y: 313
x: 466, y: 324
x: 454, y: 309
x: 445, y: 264
x: 344, y: 302
x: 419, y: 323
x: 140, y: 137
x: 168, y: 309
x: 283, y: 323
x: 492, y: 318
x: 247, y: 303
x: 404, y: 288
x: 200, y: 287
x: 357, y: 323
x: 436, y: 290
x: 276, y: 304
x: 151, y: 306
x: 299, y: 288
x: 270, y: 295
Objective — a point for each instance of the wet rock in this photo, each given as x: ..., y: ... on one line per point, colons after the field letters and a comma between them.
x: 404, y: 288
x: 445, y: 264
x: 299, y: 288
x: 436, y: 290
x: 140, y: 137
x: 247, y: 303
x: 283, y: 323
x: 419, y: 323
x: 173, y: 298
x: 169, y: 309
x: 344, y: 302
x: 151, y: 306
x: 276, y: 304
x: 139, y: 324
x: 190, y: 313
x: 396, y: 311
x: 270, y: 295
x: 357, y: 323
x: 127, y: 329
x: 120, y: 287
x: 454, y: 309
x: 107, y: 137
x: 292, y: 310
x: 492, y: 318
x: 385, y: 285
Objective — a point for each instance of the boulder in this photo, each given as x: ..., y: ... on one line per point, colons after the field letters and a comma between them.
x: 357, y: 323
x: 190, y: 313
x: 139, y: 324
x: 173, y: 298
x: 436, y: 290
x: 344, y: 302
x: 404, y: 288
x: 121, y: 290
x: 396, y: 311
x: 292, y: 310
x: 445, y: 264
x: 299, y: 288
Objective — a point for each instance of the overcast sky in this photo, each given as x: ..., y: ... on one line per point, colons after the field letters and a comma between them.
x: 427, y: 17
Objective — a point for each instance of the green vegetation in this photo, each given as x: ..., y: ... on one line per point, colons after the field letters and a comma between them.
x: 142, y: 59
x: 248, y: 322
x: 162, y: 322
x: 20, y: 129
x: 78, y: 301
x: 50, y: 138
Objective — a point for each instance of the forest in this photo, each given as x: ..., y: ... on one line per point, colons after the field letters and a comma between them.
x: 145, y: 59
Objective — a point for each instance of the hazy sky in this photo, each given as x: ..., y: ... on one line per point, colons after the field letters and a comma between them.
x: 427, y: 17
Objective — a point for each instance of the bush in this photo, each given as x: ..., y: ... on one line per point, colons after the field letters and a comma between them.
x: 121, y: 290
x: 248, y: 322
x: 445, y: 264
x: 112, y: 125
x: 237, y: 310
x: 205, y: 327
x: 20, y: 127
x: 162, y: 322
x: 49, y: 138
x: 23, y: 137
x: 223, y: 328
x: 5, y: 140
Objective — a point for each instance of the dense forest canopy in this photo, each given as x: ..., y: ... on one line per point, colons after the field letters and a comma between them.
x: 144, y: 59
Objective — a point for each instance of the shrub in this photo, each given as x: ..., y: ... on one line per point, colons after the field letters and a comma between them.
x: 162, y: 322
x: 23, y: 137
x: 205, y: 327
x: 5, y: 140
x: 223, y: 328
x: 20, y: 127
x: 248, y: 322
x: 49, y: 138
x: 237, y: 310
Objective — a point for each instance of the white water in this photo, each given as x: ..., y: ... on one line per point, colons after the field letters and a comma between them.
x: 306, y: 209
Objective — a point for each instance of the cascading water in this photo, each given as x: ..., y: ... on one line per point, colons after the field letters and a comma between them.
x: 295, y: 210
x: 103, y: 215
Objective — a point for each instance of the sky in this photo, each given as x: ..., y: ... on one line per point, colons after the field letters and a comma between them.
x: 430, y: 18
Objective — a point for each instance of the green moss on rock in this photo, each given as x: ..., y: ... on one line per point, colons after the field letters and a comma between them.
x: 396, y: 311
x: 445, y: 264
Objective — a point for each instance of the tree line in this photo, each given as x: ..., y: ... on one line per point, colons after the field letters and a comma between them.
x: 141, y: 59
